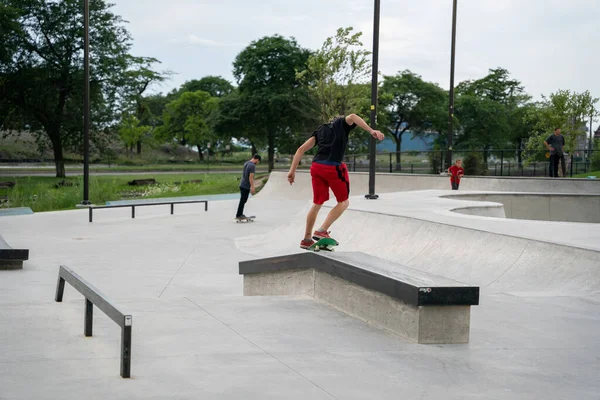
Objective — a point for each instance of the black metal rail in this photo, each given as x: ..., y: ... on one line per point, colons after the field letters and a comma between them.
x: 94, y: 297
x: 133, y: 206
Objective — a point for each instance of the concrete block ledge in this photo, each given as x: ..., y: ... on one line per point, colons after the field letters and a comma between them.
x: 11, y: 259
x: 422, y: 307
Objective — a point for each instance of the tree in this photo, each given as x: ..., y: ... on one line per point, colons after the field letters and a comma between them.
x: 412, y: 104
x: 564, y: 109
x: 216, y: 86
x: 133, y: 82
x: 131, y: 132
x: 9, y: 31
x: 185, y: 120
x: 490, y: 111
x: 42, y: 81
x: 336, y: 74
x: 273, y: 101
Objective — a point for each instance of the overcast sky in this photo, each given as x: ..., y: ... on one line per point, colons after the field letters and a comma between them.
x: 546, y: 44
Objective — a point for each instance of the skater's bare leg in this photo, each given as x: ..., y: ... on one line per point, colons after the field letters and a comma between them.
x: 334, y: 214
x: 311, y: 218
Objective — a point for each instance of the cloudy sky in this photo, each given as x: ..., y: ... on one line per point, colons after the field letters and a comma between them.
x: 546, y: 44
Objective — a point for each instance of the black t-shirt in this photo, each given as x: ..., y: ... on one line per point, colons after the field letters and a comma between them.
x: 557, y: 142
x: 331, y: 143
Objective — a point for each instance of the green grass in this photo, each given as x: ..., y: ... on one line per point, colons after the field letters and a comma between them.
x: 40, y: 193
x: 133, y: 168
x: 596, y: 174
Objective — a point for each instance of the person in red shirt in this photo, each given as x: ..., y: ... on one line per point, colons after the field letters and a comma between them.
x: 456, y: 172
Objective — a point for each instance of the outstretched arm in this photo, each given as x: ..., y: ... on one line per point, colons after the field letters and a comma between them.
x: 355, y: 119
x: 309, y: 144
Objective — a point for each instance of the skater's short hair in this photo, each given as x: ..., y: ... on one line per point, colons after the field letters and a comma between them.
x: 257, y: 157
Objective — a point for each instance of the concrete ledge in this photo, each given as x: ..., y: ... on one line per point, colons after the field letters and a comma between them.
x: 557, y: 207
x: 11, y: 259
x: 373, y: 296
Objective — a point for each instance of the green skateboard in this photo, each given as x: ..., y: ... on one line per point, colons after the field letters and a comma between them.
x: 325, y: 244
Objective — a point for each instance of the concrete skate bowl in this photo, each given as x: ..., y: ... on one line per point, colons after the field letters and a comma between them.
x: 533, y: 206
x: 495, y: 262
x: 277, y: 186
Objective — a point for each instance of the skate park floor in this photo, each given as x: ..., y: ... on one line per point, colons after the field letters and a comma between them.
x: 534, y: 334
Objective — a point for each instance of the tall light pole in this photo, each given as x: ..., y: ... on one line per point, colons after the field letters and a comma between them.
x: 451, y: 102
x: 86, y: 102
x: 375, y: 69
x: 590, y: 141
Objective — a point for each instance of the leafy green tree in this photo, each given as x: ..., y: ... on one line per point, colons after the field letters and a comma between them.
x: 411, y: 104
x: 10, y: 30
x: 42, y: 80
x: 185, y: 120
x: 272, y: 100
x: 336, y: 74
x: 131, y: 132
x: 233, y: 118
x: 563, y: 109
x: 216, y: 86
x: 133, y: 83
x: 487, y: 109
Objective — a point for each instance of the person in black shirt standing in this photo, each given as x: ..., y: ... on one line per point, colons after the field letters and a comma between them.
x: 555, y: 144
x: 328, y: 171
x: 247, y: 184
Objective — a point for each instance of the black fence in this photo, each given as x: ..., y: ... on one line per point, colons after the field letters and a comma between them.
x: 476, y: 162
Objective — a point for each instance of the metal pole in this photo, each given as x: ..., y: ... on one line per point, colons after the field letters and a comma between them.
x: 590, y: 143
x: 372, y: 153
x: 86, y: 102
x: 451, y: 94
x: 89, y: 318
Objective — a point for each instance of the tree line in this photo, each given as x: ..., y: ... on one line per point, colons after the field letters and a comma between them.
x: 282, y: 91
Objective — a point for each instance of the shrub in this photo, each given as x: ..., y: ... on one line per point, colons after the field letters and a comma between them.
x: 474, y: 165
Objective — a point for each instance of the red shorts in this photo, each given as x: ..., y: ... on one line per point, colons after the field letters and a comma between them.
x: 329, y: 176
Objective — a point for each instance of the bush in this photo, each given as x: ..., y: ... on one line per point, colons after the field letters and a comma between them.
x: 435, y: 160
x: 474, y: 165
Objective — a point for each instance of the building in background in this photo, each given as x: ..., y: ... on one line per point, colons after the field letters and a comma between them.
x: 410, y: 142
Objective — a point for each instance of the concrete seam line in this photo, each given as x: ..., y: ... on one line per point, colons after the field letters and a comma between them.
x: 509, y: 268
x: 425, y: 246
x: 180, y: 267
x: 260, y: 348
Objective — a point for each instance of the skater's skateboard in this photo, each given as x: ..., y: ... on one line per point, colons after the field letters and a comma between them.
x: 246, y: 219
x: 325, y: 244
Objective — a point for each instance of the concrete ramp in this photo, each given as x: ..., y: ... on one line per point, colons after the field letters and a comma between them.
x: 499, y: 255
x: 277, y: 187
x: 557, y: 207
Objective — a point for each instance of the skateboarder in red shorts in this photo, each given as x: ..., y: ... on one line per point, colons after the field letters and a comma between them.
x: 328, y: 171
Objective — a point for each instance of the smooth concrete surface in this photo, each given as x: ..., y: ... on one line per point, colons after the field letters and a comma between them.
x: 558, y: 207
x: 295, y: 282
x: 425, y: 325
x: 15, y: 211
x: 534, y: 335
x: 390, y: 183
